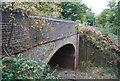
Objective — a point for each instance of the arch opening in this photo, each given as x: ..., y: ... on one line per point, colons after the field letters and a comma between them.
x: 64, y: 57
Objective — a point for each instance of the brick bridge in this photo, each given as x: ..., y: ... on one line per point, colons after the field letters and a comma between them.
x: 53, y: 40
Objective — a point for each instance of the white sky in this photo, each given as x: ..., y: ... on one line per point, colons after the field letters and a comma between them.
x: 97, y: 5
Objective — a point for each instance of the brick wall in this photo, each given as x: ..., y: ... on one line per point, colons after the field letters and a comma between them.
x: 25, y: 36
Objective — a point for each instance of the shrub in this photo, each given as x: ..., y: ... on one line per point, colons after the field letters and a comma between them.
x: 18, y: 67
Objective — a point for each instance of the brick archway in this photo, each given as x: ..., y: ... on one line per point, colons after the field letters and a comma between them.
x: 64, y: 57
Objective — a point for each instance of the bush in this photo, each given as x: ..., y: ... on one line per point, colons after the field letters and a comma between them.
x: 18, y: 67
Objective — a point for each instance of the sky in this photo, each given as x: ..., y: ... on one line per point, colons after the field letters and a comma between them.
x: 97, y: 5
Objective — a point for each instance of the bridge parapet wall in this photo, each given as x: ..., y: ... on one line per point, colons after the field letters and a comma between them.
x: 26, y: 32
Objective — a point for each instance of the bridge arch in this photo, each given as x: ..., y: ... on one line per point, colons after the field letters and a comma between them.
x: 64, y: 57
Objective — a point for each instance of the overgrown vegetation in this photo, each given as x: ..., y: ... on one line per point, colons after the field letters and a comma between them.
x: 18, y: 67
x: 104, y: 43
x: 100, y: 40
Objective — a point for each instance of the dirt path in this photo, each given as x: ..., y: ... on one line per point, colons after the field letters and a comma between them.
x: 91, y: 73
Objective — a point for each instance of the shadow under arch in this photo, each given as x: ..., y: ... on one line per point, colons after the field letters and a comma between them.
x: 64, y: 57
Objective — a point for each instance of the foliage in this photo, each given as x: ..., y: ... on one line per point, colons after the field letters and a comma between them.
x: 101, y: 41
x: 110, y: 17
x: 112, y: 3
x: 107, y: 45
x: 73, y: 10
x: 111, y: 69
x: 18, y: 67
x: 116, y: 21
x: 107, y: 15
x: 117, y: 15
x: 65, y: 10
x: 90, y: 17
x: 39, y: 8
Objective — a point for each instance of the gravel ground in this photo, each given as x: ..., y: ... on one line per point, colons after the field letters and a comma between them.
x: 91, y: 73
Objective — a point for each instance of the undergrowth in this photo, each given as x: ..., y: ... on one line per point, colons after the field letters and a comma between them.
x: 103, y: 42
x: 18, y: 67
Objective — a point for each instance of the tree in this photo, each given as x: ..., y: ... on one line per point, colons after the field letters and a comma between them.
x: 90, y: 17
x: 73, y: 10
x: 43, y: 8
x: 117, y: 15
x: 102, y: 18
x: 107, y: 15
x: 116, y: 21
x: 39, y: 8
x: 112, y: 3
x: 110, y: 17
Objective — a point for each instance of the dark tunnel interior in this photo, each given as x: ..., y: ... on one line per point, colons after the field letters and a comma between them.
x: 64, y: 57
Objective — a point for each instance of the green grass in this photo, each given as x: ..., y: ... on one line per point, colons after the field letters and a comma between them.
x: 106, y: 31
